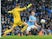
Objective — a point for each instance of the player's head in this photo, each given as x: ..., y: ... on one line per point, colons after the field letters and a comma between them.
x: 17, y: 5
x: 33, y: 12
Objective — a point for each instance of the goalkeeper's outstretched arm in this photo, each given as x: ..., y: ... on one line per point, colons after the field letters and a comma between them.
x: 21, y: 9
x: 10, y: 11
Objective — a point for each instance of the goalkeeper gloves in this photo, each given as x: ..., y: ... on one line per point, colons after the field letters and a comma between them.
x: 29, y: 5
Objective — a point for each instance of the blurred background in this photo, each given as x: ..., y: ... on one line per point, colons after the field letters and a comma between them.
x: 43, y: 10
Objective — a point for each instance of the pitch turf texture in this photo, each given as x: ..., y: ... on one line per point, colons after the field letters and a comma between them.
x: 27, y: 37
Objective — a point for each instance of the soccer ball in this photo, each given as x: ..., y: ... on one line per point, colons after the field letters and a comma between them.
x: 42, y: 21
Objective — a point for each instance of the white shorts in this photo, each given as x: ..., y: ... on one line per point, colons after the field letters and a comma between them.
x: 32, y: 26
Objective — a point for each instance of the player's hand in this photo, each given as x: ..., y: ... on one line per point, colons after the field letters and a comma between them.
x: 8, y: 11
x: 29, y: 5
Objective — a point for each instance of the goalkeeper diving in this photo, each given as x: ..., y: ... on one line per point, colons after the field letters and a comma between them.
x: 17, y: 19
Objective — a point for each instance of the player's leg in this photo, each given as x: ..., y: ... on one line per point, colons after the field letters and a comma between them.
x: 33, y: 26
x: 28, y: 29
x: 38, y: 29
x: 10, y: 30
x: 25, y: 27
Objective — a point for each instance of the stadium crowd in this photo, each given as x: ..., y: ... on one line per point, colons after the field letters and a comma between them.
x: 43, y: 9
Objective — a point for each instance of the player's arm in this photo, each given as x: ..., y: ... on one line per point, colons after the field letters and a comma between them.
x: 21, y: 9
x: 10, y: 11
x: 36, y: 23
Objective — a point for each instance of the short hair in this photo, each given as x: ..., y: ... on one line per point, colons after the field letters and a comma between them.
x: 32, y: 11
x: 17, y: 4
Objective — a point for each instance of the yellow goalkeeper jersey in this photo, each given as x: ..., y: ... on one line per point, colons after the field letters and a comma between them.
x: 16, y: 13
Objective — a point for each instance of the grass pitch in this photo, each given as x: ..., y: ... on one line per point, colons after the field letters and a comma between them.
x: 27, y: 37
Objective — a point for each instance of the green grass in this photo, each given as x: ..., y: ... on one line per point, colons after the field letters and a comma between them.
x: 27, y: 37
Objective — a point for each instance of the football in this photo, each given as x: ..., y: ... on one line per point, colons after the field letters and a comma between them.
x: 42, y: 21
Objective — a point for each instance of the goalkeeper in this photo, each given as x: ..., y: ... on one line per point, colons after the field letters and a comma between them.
x: 17, y: 19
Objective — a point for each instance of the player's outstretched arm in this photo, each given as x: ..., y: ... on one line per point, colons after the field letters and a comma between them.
x: 26, y: 7
x: 10, y: 11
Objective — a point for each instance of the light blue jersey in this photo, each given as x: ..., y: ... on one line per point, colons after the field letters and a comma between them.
x: 31, y: 18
